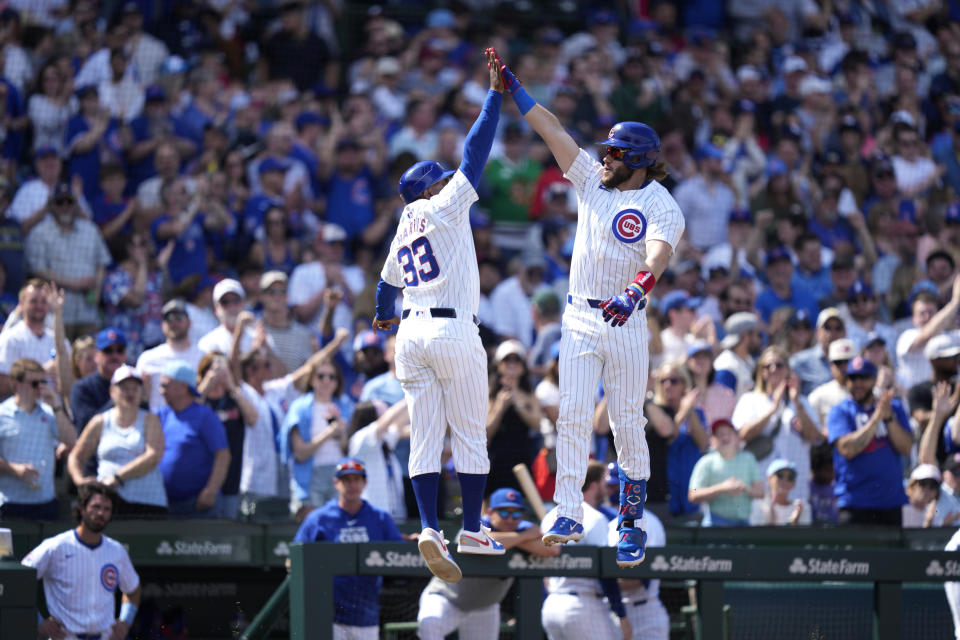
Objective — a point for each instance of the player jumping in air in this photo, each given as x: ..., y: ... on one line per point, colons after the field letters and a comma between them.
x: 627, y: 227
x: 440, y: 362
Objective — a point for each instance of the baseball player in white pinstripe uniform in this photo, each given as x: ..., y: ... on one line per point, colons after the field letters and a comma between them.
x: 439, y: 360
x: 627, y: 224
x: 649, y: 619
x: 575, y: 608
x: 81, y: 569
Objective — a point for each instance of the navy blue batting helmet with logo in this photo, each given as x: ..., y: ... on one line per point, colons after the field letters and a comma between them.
x: 641, y: 142
x: 417, y: 178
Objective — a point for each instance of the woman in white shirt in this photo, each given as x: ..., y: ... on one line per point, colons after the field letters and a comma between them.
x: 775, y: 420
x: 49, y: 108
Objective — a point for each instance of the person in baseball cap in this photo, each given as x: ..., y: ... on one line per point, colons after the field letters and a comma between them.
x: 827, y: 395
x: 368, y: 354
x: 90, y: 393
x: 742, y: 341
x: 179, y: 371
x: 228, y: 301
x: 923, y: 488
x: 777, y: 508
x: 724, y: 466
x: 349, y: 466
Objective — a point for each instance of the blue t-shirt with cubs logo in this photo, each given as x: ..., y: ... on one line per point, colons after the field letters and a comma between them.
x: 874, y: 478
x: 356, y: 598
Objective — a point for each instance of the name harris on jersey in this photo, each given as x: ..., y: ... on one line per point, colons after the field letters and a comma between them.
x: 410, y: 225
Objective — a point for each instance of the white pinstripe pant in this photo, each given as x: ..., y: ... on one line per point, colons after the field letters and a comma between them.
x: 567, y: 616
x: 590, y: 351
x: 442, y: 368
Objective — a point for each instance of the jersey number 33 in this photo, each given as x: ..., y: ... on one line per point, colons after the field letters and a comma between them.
x: 418, y: 262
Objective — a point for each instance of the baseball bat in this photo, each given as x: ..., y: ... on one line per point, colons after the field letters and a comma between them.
x: 529, y: 489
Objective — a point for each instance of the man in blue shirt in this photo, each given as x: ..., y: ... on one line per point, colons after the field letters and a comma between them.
x: 782, y: 289
x: 350, y: 518
x: 869, y: 435
x: 196, y: 455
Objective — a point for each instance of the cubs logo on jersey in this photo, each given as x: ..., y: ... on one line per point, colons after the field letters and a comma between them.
x: 109, y: 576
x: 629, y: 225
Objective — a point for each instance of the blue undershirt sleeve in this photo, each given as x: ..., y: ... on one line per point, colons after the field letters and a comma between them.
x: 386, y: 300
x: 476, y: 147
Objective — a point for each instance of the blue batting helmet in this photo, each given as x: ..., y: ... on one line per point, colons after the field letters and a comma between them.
x: 417, y: 178
x: 641, y: 142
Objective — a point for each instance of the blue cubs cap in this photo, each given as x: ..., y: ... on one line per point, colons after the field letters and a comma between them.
x: 181, y: 371
x: 45, y: 150
x: 506, y: 497
x: 860, y: 366
x: 923, y: 285
x: 779, y: 465
x: 777, y: 254
x: 109, y: 337
x: 873, y: 338
x: 699, y: 346
x: 366, y: 339
x: 675, y: 300
x: 349, y: 467
x: 310, y: 117
x: 800, y: 318
x: 727, y: 378
x: 272, y: 164
x: 741, y: 215
x: 709, y: 150
x: 775, y: 167
x: 155, y: 93
x: 859, y: 288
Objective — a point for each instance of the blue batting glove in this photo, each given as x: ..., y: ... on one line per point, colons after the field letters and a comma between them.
x: 510, y: 82
x: 618, y: 309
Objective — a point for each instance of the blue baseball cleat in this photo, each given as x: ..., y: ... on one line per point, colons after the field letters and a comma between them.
x: 631, y: 547
x: 563, y: 530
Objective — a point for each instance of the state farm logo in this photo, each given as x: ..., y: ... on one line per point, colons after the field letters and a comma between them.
x: 828, y: 567
x: 520, y: 563
x: 206, y: 548
x: 690, y: 564
x: 394, y: 559
x: 950, y: 568
x: 282, y: 550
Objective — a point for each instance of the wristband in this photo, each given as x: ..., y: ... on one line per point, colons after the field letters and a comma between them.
x: 128, y: 611
x: 118, y: 479
x: 524, y: 101
x: 644, y: 282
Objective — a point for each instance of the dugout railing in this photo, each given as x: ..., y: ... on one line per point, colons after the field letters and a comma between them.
x: 313, y: 567
x: 221, y: 574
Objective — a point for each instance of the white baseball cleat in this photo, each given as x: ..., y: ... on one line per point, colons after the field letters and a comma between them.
x: 479, y: 543
x: 433, y: 548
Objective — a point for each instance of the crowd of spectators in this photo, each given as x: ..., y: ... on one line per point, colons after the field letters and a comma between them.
x: 197, y: 198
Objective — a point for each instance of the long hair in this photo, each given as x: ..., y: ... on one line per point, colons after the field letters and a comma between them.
x: 86, y: 492
x: 658, y: 171
x: 775, y: 350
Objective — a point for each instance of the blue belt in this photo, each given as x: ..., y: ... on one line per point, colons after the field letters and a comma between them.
x: 637, y: 603
x: 88, y: 636
x: 593, y: 302
x: 438, y: 312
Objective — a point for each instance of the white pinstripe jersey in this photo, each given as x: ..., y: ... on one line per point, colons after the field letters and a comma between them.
x: 432, y: 256
x: 613, y: 227
x: 79, y: 581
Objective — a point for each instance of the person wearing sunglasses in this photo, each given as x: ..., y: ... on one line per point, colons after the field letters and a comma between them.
x: 91, y: 393
x: 869, y: 435
x: 923, y: 491
x: 775, y: 420
x: 629, y: 227
x: 777, y: 508
x: 474, y: 603
x: 32, y: 423
x: 349, y: 518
